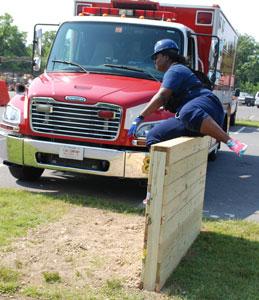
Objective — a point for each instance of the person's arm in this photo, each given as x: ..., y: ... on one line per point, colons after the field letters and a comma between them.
x: 158, y: 100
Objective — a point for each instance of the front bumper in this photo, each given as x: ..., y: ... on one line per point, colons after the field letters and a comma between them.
x: 94, y: 160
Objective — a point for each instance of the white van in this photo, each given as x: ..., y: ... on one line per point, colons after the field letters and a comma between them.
x: 257, y: 99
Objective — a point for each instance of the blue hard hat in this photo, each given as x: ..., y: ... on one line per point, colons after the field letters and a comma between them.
x: 164, y: 45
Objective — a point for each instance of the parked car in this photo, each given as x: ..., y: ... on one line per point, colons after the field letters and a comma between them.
x: 241, y: 98
x: 249, y: 100
x: 257, y: 99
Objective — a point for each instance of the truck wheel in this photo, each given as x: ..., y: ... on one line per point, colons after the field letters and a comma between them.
x: 233, y: 119
x: 25, y: 173
x: 213, y: 155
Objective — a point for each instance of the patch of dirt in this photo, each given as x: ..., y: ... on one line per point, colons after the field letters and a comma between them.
x: 87, y: 247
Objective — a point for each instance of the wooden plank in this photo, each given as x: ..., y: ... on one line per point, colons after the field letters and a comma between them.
x: 183, y: 183
x: 170, y: 264
x: 184, y: 166
x: 182, y: 147
x: 192, y: 223
x: 170, y: 208
x: 173, y: 222
x: 187, y: 233
x: 153, y: 221
x: 164, y: 146
x: 187, y: 149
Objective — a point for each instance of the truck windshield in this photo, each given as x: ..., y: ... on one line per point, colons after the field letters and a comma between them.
x: 98, y: 47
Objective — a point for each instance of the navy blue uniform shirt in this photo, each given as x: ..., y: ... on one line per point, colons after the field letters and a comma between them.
x: 182, y: 81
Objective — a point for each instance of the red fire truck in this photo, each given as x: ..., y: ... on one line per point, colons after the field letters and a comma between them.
x: 75, y: 116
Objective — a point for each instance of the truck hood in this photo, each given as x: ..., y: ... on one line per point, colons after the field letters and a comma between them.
x: 120, y: 90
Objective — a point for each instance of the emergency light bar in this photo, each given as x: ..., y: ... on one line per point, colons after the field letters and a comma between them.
x: 137, y: 13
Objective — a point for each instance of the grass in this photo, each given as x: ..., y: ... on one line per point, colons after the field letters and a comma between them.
x: 111, y: 290
x: 22, y: 210
x: 9, y: 281
x: 222, y: 263
x: 51, y: 277
x: 247, y: 123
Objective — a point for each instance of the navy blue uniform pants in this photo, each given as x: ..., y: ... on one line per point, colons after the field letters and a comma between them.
x: 188, y: 120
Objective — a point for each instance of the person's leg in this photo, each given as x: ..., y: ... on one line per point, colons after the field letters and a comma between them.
x: 169, y: 129
x: 211, y: 128
x: 205, y: 115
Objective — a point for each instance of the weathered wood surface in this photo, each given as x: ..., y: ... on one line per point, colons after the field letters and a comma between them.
x: 173, y: 215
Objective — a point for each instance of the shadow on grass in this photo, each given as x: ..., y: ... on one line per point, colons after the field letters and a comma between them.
x: 100, y: 203
x: 218, y: 266
x: 109, y: 188
x: 94, y: 202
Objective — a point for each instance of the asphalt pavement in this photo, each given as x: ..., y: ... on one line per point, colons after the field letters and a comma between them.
x: 232, y: 190
x: 248, y: 113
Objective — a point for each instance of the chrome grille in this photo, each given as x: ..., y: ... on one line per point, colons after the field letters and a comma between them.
x: 74, y: 120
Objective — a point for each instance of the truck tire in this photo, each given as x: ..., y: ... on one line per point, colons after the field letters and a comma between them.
x: 25, y: 173
x: 214, y: 154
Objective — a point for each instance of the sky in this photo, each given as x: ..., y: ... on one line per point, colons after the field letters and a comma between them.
x: 26, y: 13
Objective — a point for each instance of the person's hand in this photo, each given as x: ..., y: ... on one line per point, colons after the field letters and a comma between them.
x: 134, y: 126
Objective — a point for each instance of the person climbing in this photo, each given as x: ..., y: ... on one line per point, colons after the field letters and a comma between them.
x: 199, y: 112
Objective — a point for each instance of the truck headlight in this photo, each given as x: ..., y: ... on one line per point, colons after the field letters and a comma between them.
x: 12, y: 115
x: 144, y: 128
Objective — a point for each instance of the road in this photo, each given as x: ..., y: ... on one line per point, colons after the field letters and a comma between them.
x: 231, y: 187
x: 248, y: 113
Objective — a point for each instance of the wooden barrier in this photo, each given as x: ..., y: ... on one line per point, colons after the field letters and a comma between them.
x: 176, y: 185
x: 4, y: 95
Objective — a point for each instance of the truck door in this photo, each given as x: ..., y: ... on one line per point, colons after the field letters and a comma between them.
x: 191, y: 52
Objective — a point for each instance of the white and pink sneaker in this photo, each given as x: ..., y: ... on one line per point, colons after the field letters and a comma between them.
x: 237, y: 147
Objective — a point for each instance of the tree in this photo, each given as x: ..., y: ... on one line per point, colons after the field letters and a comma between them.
x: 12, y: 44
x: 47, y: 40
x: 247, y: 64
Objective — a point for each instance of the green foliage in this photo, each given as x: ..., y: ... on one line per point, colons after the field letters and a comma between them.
x: 12, y: 44
x: 247, y: 64
x: 248, y: 123
x: 47, y: 40
x: 8, y: 281
x: 51, y: 277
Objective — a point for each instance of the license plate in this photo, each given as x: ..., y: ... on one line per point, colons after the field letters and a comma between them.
x: 69, y: 152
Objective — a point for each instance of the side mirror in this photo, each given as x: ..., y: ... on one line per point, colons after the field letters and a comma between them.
x: 36, y: 64
x: 37, y: 49
x: 37, y: 46
x: 38, y: 41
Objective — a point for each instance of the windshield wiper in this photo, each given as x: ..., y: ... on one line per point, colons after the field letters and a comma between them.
x: 132, y: 69
x: 70, y: 63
